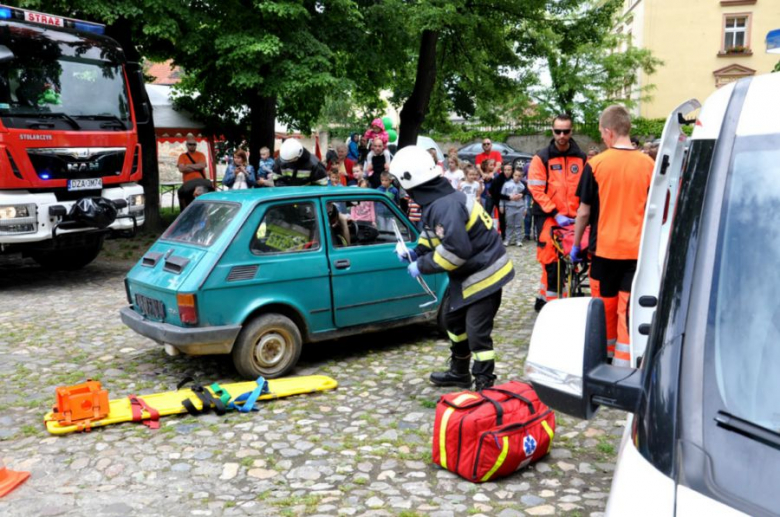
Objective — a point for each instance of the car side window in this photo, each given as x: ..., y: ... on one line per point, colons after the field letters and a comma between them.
x: 363, y: 222
x: 287, y: 228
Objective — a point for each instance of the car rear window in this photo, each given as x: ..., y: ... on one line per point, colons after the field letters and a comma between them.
x: 744, y: 307
x: 201, y: 223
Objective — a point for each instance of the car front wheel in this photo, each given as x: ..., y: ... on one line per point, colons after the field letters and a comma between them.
x: 269, y: 346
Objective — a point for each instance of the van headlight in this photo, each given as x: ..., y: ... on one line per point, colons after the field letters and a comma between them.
x: 136, y: 202
x: 15, y: 219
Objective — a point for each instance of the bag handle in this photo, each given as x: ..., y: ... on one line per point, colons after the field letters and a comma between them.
x: 515, y: 396
x: 497, y: 406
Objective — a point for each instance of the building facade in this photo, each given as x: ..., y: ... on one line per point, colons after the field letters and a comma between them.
x: 703, y: 44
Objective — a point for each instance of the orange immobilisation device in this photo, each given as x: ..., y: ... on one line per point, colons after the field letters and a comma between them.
x: 81, y: 404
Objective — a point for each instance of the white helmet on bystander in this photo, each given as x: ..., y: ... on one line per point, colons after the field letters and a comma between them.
x: 413, y: 166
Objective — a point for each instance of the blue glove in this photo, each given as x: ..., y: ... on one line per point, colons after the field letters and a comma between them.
x: 413, y: 270
x: 574, y: 255
x: 563, y: 220
x: 402, y: 255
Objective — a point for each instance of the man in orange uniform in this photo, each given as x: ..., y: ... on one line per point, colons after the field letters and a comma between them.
x: 613, y: 195
x: 552, y: 179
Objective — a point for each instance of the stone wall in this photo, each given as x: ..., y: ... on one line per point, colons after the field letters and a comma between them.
x: 526, y: 143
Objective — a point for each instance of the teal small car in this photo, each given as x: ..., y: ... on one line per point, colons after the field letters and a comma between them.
x: 257, y: 273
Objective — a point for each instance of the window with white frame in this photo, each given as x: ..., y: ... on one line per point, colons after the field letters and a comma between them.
x: 736, y: 33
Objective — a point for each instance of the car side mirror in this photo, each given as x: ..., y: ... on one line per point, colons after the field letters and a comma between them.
x: 567, y: 363
x: 143, y: 111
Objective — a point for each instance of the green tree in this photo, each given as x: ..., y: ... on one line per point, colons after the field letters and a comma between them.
x: 442, y: 56
x: 590, y: 64
x: 777, y: 67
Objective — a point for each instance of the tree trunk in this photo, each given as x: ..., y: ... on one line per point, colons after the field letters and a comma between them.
x: 416, y: 106
x: 262, y: 119
x: 120, y: 31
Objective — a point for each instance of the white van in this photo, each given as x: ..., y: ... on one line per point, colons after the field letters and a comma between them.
x: 703, y: 434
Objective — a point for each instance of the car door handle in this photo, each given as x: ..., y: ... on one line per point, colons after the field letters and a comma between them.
x: 342, y: 264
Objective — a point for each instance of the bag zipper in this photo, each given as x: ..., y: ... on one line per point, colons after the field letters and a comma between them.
x: 511, y: 427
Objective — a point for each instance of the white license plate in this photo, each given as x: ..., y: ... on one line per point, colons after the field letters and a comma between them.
x: 86, y: 184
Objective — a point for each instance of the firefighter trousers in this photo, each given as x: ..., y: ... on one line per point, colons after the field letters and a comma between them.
x: 469, y: 330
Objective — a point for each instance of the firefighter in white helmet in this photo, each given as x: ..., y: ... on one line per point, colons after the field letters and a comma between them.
x: 296, y: 166
x: 459, y: 238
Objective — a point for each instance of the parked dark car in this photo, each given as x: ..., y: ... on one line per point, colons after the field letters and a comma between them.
x: 509, y: 155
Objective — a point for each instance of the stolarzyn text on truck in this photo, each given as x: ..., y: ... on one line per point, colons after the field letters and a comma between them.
x: 69, y: 153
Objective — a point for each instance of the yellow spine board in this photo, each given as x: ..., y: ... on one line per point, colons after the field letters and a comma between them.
x: 169, y: 403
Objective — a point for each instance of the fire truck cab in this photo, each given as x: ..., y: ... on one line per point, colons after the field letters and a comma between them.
x: 69, y: 151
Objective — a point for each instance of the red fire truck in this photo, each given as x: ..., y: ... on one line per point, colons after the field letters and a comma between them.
x: 69, y: 151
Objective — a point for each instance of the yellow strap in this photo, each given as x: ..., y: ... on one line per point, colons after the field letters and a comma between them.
x: 501, y: 458
x: 550, y: 432
x: 457, y: 338
x: 443, y: 427
x: 428, y: 243
x: 492, y: 279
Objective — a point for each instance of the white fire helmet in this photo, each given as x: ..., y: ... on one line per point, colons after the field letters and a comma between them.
x: 291, y: 150
x: 413, y: 166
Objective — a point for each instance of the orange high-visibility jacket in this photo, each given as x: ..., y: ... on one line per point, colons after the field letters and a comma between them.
x: 553, y: 178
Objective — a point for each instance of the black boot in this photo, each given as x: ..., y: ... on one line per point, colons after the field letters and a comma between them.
x: 539, y: 304
x: 483, y: 381
x: 458, y: 374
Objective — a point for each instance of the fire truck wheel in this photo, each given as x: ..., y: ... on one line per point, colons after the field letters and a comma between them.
x: 69, y: 259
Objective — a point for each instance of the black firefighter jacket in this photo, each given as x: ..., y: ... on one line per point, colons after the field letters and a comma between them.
x: 459, y: 238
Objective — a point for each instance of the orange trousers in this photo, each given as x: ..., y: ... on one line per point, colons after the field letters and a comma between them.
x: 552, y: 281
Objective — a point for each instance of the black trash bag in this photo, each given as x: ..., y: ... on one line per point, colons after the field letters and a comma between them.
x: 97, y: 212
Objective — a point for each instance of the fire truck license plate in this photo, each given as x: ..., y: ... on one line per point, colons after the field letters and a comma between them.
x: 86, y: 184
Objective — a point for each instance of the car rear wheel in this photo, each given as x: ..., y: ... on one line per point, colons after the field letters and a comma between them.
x: 268, y: 346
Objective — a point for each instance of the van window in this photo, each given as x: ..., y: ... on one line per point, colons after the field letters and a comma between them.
x: 287, y: 228
x: 201, y: 223
x: 744, y: 330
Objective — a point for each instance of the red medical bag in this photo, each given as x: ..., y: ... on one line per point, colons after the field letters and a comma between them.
x: 491, y: 434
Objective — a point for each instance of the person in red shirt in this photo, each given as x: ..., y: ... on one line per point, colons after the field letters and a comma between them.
x: 613, y: 195
x: 344, y: 165
x: 488, y: 153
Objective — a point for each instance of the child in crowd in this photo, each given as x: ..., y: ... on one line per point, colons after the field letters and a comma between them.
x: 377, y: 130
x: 514, y: 208
x: 383, y: 215
x: 265, y: 168
x: 486, y: 170
x: 364, y: 210
x: 357, y: 173
x: 414, y: 212
x: 335, y: 180
x: 471, y: 185
x: 377, y: 162
x: 453, y: 173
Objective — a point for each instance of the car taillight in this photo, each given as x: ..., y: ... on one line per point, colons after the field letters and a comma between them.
x: 188, y: 311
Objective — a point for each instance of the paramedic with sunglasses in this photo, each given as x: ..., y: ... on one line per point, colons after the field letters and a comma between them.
x: 459, y: 239
x: 552, y: 180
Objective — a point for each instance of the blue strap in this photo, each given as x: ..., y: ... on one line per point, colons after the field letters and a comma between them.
x: 249, y: 398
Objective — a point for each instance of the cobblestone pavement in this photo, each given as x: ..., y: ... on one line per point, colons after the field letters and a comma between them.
x: 364, y: 449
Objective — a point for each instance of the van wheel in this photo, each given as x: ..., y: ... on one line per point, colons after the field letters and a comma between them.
x: 441, y: 322
x: 268, y: 346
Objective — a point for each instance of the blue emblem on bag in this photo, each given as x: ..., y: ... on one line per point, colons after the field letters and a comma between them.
x: 529, y: 445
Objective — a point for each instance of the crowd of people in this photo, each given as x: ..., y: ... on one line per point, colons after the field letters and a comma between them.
x: 561, y: 187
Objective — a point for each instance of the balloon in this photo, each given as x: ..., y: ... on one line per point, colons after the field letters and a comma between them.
x: 392, y: 136
x: 388, y: 122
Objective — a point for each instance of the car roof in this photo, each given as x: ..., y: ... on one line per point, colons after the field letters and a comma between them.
x: 251, y: 196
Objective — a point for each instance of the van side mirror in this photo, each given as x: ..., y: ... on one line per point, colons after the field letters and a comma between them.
x: 567, y: 364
